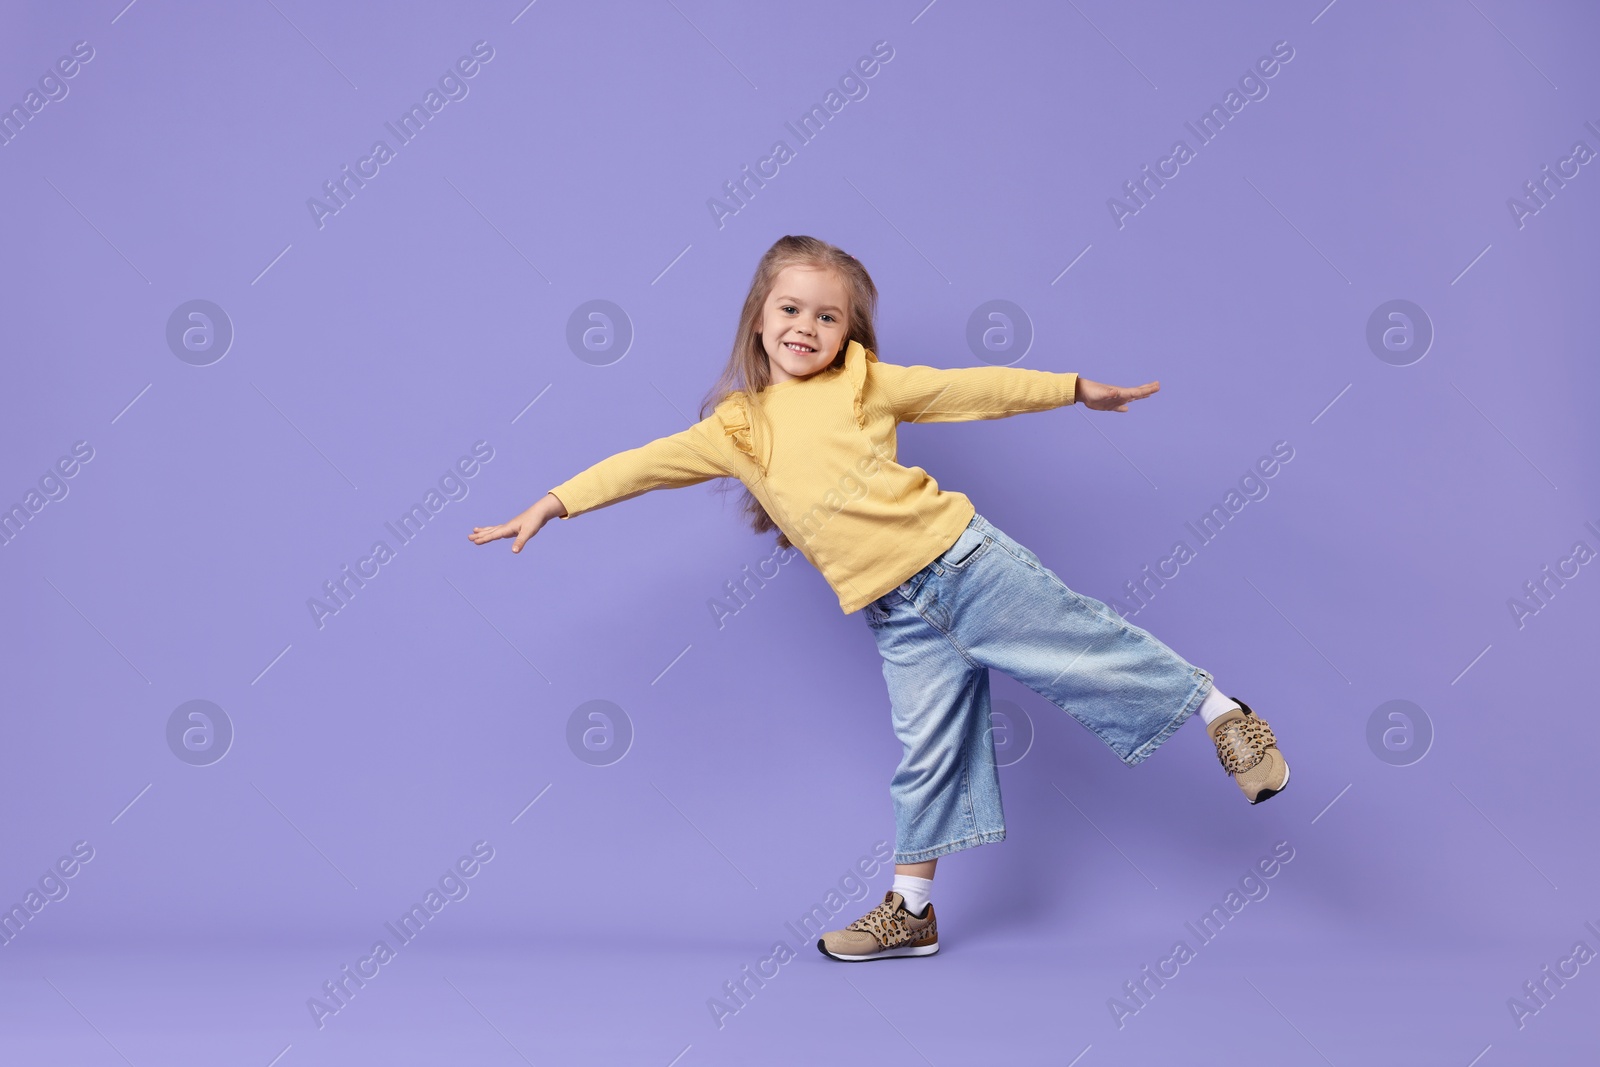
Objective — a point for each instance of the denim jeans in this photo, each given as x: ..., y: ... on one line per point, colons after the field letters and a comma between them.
x: 985, y: 602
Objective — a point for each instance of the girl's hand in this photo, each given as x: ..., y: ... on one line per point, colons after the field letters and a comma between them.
x: 1104, y: 397
x: 523, y: 526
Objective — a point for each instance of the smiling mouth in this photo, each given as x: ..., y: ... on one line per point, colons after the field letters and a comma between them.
x: 796, y: 347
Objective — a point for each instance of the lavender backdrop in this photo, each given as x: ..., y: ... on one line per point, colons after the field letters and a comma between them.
x: 228, y: 377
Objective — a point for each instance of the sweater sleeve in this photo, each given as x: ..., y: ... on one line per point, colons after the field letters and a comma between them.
x: 962, y: 394
x: 685, y: 458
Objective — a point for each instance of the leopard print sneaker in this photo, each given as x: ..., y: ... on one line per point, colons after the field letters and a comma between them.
x: 1248, y: 750
x: 885, y: 932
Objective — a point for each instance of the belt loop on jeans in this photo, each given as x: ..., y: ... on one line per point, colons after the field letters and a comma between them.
x: 908, y: 588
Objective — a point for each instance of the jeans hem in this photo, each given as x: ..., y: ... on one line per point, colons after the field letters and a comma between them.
x: 986, y: 838
x: 1201, y: 690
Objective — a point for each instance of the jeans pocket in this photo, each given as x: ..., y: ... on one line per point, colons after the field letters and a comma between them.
x: 968, y: 547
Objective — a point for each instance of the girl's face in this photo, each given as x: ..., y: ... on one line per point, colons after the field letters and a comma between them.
x: 803, y: 322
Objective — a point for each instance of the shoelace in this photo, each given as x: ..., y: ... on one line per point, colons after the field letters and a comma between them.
x: 1243, y: 743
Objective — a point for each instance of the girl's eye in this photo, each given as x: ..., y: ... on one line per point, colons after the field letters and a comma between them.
x: 792, y: 308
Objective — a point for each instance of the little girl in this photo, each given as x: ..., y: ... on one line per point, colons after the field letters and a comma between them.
x: 804, y: 415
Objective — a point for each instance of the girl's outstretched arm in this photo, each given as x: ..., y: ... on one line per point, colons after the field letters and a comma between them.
x: 920, y: 393
x: 523, y: 526
x: 690, y: 456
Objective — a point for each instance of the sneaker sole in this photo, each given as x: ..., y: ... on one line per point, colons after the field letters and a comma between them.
x: 886, y: 954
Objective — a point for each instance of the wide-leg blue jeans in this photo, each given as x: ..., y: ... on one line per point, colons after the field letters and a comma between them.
x: 987, y: 602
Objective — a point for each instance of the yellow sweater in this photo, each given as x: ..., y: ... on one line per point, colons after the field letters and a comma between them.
x: 827, y: 474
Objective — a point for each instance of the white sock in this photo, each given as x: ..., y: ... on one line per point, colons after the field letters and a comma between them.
x: 917, y: 892
x: 1216, y: 704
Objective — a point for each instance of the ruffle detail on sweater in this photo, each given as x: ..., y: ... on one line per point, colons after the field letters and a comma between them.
x: 856, y: 358
x: 736, y: 424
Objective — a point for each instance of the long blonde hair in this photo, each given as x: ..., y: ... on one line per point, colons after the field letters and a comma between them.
x: 748, y: 369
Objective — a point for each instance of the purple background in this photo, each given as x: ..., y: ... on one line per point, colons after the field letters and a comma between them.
x: 432, y: 310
